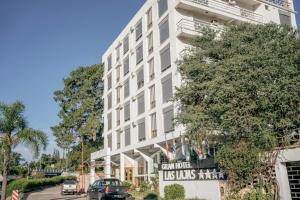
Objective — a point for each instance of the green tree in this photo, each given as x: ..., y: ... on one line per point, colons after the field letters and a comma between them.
x: 242, y: 88
x: 81, y: 107
x: 14, y: 130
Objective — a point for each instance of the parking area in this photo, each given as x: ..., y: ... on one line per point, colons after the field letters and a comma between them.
x: 53, y: 193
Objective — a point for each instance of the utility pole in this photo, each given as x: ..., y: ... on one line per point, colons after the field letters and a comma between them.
x: 82, y: 166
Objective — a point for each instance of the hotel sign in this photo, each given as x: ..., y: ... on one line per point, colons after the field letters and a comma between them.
x: 185, y: 171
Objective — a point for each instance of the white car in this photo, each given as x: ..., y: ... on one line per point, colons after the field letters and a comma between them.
x: 69, y: 187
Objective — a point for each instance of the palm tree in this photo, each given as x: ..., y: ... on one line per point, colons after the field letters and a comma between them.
x: 13, y: 131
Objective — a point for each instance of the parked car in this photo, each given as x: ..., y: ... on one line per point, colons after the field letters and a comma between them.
x: 69, y: 187
x: 108, y: 189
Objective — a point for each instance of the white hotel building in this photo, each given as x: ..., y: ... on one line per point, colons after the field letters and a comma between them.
x: 140, y: 76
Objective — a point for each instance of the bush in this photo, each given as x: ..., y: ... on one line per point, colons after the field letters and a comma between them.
x: 127, y: 184
x: 144, y: 186
x: 24, y: 185
x: 174, y: 192
x: 151, y: 196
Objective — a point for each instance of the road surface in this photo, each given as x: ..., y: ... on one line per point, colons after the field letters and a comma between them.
x: 53, y: 193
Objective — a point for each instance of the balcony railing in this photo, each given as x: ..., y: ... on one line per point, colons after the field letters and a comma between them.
x: 282, y: 3
x: 196, y: 26
x: 230, y: 8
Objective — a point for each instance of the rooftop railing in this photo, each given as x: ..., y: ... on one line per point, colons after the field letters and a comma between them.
x: 230, y: 7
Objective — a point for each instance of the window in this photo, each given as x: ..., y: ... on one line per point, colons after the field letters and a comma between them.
x: 139, y: 53
x: 285, y: 18
x: 109, y: 101
x: 164, y: 30
x: 140, y: 77
x: 127, y: 111
x: 127, y: 136
x: 118, y: 73
x: 153, y: 125
x: 109, y: 141
x: 162, y: 7
x: 125, y: 44
x: 168, y: 114
x: 141, y: 103
x: 109, y: 62
x: 139, y: 30
x: 126, y: 65
x: 165, y: 58
x: 167, y: 88
x: 151, y: 69
x: 141, y: 130
x: 118, y: 91
x: 109, y: 121
x: 118, y: 53
x: 152, y: 96
x: 118, y: 140
x: 118, y: 116
x: 149, y: 18
x: 126, y: 89
x: 150, y: 43
x: 109, y: 82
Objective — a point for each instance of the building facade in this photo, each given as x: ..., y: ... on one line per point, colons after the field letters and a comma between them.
x: 141, y: 75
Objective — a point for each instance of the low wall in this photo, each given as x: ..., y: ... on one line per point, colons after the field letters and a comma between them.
x: 208, y: 190
x: 198, y: 183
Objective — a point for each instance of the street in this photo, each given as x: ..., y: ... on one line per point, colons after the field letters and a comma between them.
x: 53, y: 193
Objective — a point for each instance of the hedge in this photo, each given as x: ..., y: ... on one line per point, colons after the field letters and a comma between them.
x: 24, y: 185
x: 174, y: 192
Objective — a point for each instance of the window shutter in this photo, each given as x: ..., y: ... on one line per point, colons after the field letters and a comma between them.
x: 118, y: 140
x: 165, y: 58
x: 162, y: 7
x: 151, y: 69
x: 109, y: 82
x: 139, y: 53
x: 126, y: 44
x: 140, y: 78
x: 139, y: 30
x: 127, y: 136
x: 164, y: 30
x: 149, y: 18
x: 141, y: 129
x: 285, y: 18
x: 126, y: 65
x: 141, y: 104
x: 109, y: 63
x: 109, y: 101
x: 126, y: 89
x: 109, y: 121
x: 168, y: 120
x: 127, y: 111
x: 150, y: 43
x: 109, y: 141
x: 167, y: 89
x: 152, y: 96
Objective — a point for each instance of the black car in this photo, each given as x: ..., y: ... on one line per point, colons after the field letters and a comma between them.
x: 108, y: 189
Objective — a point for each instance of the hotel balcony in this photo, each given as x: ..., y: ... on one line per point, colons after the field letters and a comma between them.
x: 221, y: 9
x: 187, y: 28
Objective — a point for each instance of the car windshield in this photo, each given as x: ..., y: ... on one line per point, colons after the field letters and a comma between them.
x: 112, y: 182
x: 69, y: 182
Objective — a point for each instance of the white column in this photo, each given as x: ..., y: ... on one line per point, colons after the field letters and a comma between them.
x: 93, y: 173
x: 149, y: 164
x: 107, y: 167
x: 122, y: 167
x: 150, y: 168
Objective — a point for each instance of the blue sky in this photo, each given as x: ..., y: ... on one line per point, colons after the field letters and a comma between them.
x: 41, y: 42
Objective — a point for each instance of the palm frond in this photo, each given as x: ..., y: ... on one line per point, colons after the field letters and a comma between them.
x: 35, y: 140
x: 11, y: 117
